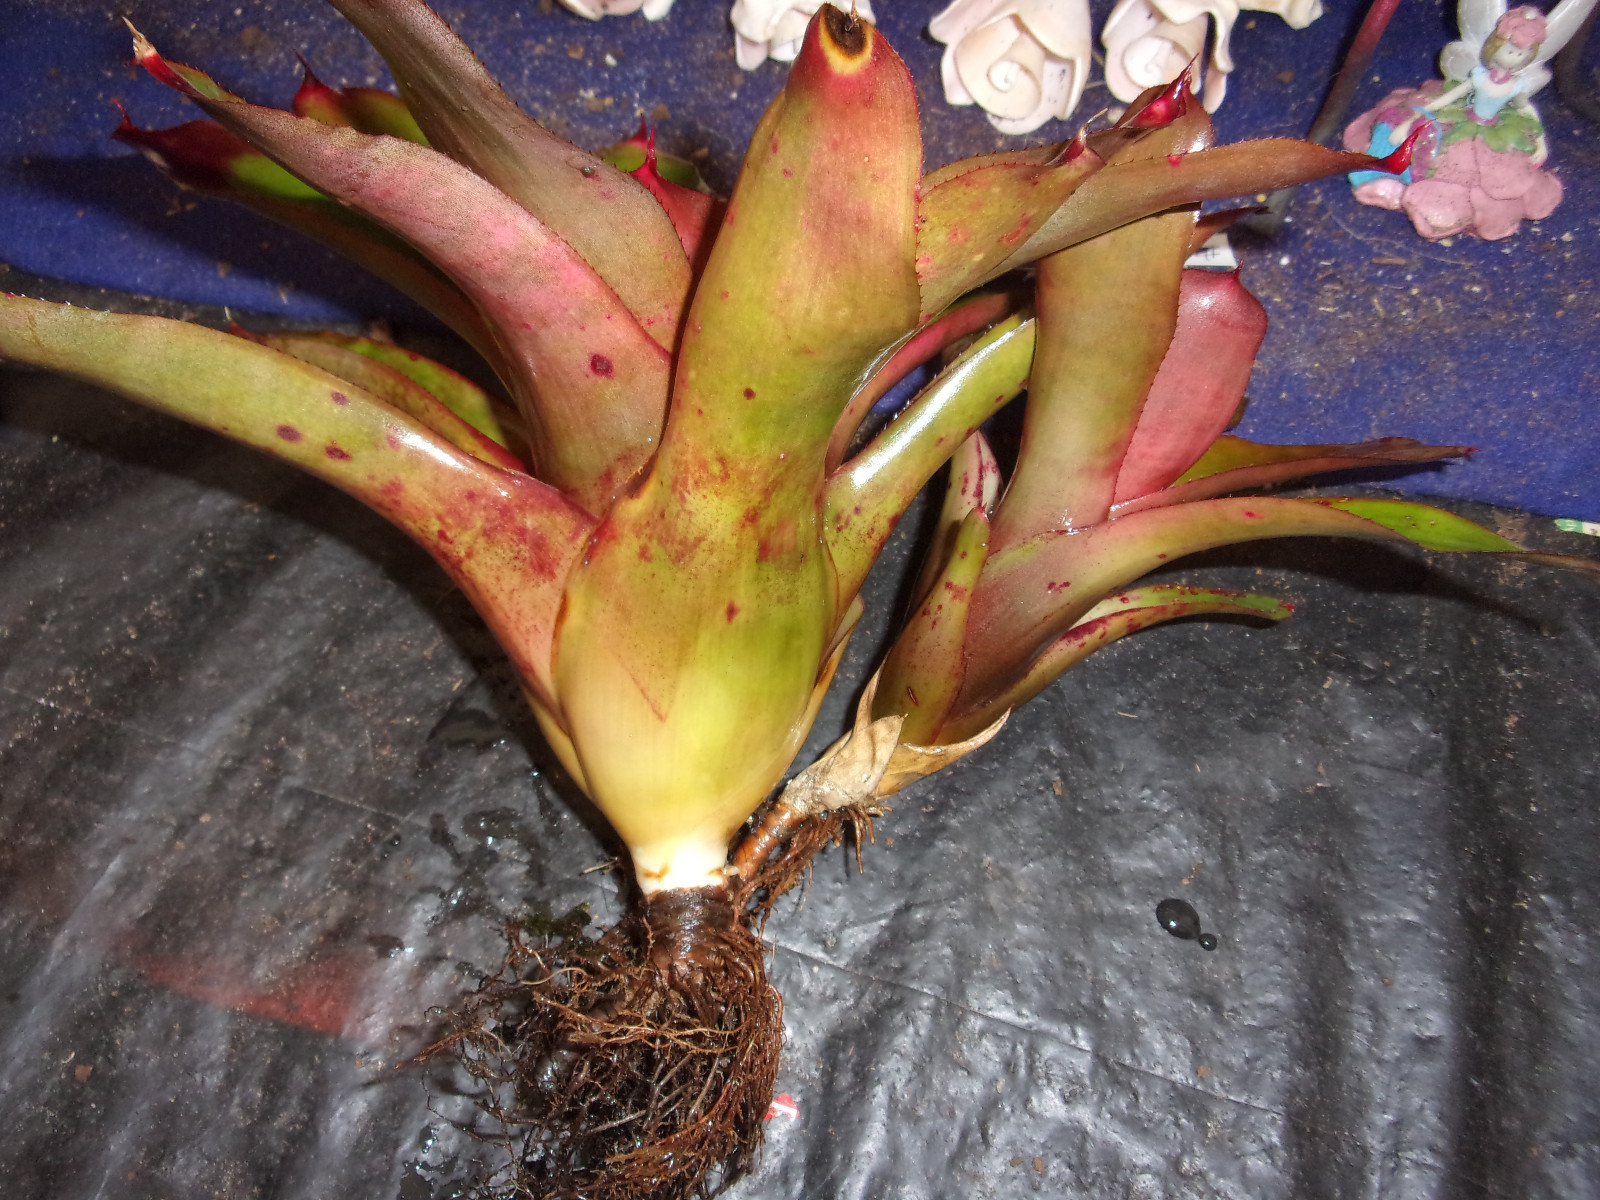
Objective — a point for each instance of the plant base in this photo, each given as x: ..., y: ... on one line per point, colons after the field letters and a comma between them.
x: 639, y: 1064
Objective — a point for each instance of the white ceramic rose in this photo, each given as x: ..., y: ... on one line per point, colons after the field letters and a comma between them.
x: 1148, y: 42
x: 764, y: 29
x: 653, y: 10
x: 1023, y: 61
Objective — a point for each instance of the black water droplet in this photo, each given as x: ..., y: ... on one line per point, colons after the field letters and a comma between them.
x: 1208, y: 941
x: 1179, y: 918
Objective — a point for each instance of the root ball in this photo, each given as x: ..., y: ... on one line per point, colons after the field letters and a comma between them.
x: 638, y: 1064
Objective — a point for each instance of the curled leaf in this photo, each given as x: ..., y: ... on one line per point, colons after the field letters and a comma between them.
x: 910, y: 763
x: 866, y: 496
x: 613, y: 223
x: 205, y: 157
x: 1200, y: 383
x: 1107, y: 309
x: 1113, y: 618
x: 589, y: 379
x: 974, y: 484
x: 962, y: 319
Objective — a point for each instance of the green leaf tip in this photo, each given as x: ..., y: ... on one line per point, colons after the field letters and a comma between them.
x: 1431, y: 528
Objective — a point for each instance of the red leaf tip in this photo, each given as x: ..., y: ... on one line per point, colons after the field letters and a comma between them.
x: 648, y: 172
x: 1169, y: 105
x: 311, y: 88
x: 147, y: 57
x: 1398, y: 160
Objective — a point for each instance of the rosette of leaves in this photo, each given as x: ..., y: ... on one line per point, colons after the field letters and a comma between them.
x: 666, y: 521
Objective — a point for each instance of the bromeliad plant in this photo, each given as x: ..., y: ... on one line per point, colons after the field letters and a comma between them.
x: 669, y: 525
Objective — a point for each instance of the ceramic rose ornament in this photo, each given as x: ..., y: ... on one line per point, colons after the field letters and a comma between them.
x: 1024, y: 62
x: 774, y: 29
x: 651, y: 10
x: 1479, y: 169
x: 1149, y: 42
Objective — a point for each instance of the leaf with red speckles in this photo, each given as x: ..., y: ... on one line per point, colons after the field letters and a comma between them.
x: 1124, y: 149
x: 394, y: 387
x: 974, y: 216
x: 460, y: 395
x: 962, y: 319
x: 922, y: 675
x: 974, y: 483
x: 205, y: 157
x: 1113, y: 618
x: 1030, y: 594
x: 590, y: 430
x: 368, y: 110
x: 1127, y: 190
x: 810, y: 280
x: 1200, y: 383
x: 608, y: 218
x: 812, y: 277
x: 866, y: 496
x: 507, y: 539
x: 1107, y: 310
x: 1233, y: 464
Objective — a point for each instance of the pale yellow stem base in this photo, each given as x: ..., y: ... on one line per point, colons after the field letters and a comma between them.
x: 681, y: 863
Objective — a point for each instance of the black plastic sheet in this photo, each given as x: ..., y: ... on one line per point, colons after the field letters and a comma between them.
x: 267, y: 792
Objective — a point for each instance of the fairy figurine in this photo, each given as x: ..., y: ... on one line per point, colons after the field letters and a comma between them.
x: 1479, y: 166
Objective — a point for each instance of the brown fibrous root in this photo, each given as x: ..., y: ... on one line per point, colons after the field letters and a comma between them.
x: 636, y: 1064
x: 777, y: 852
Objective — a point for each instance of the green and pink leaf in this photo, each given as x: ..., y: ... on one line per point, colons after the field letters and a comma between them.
x: 507, y: 539
x: 587, y: 377
x: 1126, y: 190
x: 1032, y: 593
x: 971, y: 221
x: 1236, y: 465
x: 1113, y: 618
x: 205, y: 157
x: 610, y: 220
x: 455, y: 391
x: 367, y: 110
x: 368, y: 372
x: 1107, y: 310
x: 922, y: 674
x: 866, y: 497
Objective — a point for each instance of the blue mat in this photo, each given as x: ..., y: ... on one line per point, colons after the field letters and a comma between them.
x: 1374, y: 330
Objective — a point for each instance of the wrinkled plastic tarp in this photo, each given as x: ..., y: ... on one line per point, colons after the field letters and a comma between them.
x: 267, y: 793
